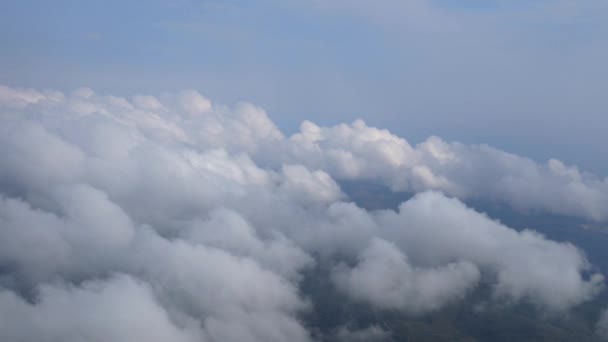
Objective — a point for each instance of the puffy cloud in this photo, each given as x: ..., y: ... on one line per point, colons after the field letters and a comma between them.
x: 435, y: 230
x: 601, y: 326
x: 147, y: 102
x: 233, y: 297
x: 194, y: 103
x: 372, y: 333
x: 26, y: 146
x: 213, y: 217
x: 384, y: 277
x: 82, y: 233
x: 357, y: 151
x: 20, y: 98
x: 226, y: 229
x: 350, y: 151
x: 316, y: 186
x: 120, y: 309
x: 437, y: 241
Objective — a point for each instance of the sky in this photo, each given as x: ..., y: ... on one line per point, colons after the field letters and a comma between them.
x: 173, y: 170
x: 527, y: 77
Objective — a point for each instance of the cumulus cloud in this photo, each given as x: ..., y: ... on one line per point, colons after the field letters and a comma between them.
x: 601, y: 326
x: 384, y: 277
x: 20, y: 98
x: 203, y: 220
x: 372, y: 333
x: 119, y: 309
x: 435, y: 230
x: 357, y: 151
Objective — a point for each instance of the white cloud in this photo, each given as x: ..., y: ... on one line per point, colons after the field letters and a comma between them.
x: 385, y: 278
x: 194, y: 103
x: 435, y: 230
x: 120, y: 309
x: 601, y: 326
x: 372, y: 333
x: 20, y: 98
x: 467, y: 171
x: 214, y: 218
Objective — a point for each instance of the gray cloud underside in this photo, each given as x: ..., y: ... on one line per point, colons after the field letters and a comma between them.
x: 173, y: 218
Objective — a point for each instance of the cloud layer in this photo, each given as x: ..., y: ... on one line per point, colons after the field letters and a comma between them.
x: 200, y: 220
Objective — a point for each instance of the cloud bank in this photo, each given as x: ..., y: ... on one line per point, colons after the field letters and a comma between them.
x: 201, y: 220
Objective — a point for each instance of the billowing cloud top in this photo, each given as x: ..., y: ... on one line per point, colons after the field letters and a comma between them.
x: 174, y: 218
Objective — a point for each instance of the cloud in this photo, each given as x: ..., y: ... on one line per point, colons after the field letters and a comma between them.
x: 601, y: 326
x: 194, y: 103
x: 316, y: 186
x: 205, y: 219
x: 234, y: 298
x: 83, y: 234
x: 384, y: 277
x: 435, y: 230
x: 20, y: 98
x: 372, y: 333
x: 358, y: 151
x: 119, y: 309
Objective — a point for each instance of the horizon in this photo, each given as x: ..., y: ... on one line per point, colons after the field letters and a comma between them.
x: 303, y: 171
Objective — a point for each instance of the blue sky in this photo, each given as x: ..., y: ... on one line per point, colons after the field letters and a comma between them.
x: 528, y: 77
